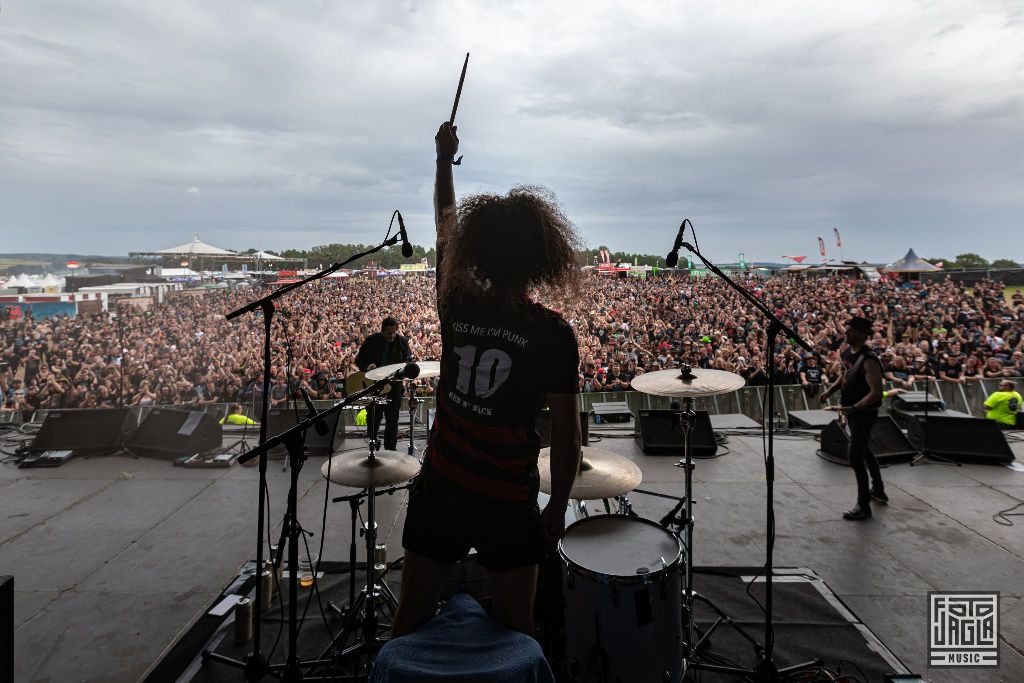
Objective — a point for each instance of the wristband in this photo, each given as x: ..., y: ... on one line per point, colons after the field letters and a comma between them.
x: 450, y: 158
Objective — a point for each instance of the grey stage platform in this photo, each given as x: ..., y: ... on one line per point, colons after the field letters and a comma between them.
x: 732, y: 421
x: 114, y: 557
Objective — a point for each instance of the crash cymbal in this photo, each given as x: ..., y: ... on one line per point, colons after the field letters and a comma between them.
x: 358, y: 470
x: 428, y: 368
x: 602, y: 474
x: 700, y: 383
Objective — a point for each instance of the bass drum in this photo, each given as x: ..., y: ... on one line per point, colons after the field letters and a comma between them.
x: 622, y: 581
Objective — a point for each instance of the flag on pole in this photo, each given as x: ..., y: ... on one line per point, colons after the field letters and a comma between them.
x: 821, y: 247
x: 839, y: 240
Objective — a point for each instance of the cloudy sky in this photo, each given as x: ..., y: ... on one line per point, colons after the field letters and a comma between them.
x: 128, y: 125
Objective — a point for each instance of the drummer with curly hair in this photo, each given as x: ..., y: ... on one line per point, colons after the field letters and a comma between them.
x: 503, y: 356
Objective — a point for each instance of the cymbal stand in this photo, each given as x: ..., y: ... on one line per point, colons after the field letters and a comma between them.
x: 413, y: 402
x: 361, y: 619
x: 695, y: 648
x: 354, y: 501
x: 765, y: 671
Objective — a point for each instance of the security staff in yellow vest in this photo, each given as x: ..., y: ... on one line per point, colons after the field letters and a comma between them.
x: 1004, y: 405
x: 236, y: 416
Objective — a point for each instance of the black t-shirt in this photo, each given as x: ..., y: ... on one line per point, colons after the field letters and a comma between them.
x: 856, y: 385
x: 496, y: 368
x: 952, y: 371
x: 813, y: 375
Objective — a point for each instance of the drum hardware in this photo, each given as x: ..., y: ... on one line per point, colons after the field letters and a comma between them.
x: 413, y: 402
x: 255, y: 665
x: 378, y: 468
x: 765, y: 670
x: 354, y: 501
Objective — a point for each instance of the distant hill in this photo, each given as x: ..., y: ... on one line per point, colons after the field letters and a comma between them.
x: 64, y: 258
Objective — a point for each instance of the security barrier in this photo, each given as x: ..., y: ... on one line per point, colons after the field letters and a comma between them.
x: 750, y: 401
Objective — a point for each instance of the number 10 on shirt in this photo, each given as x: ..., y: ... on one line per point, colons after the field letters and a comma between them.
x: 490, y: 371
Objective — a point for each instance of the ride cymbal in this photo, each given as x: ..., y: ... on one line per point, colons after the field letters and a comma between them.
x: 358, y: 470
x: 601, y: 475
x: 428, y: 368
x: 700, y: 382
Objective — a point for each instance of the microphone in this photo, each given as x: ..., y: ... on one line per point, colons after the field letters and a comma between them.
x: 320, y: 426
x: 673, y: 256
x: 406, y: 247
x: 410, y: 371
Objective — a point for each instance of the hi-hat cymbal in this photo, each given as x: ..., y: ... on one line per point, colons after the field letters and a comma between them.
x: 428, y: 368
x: 701, y: 383
x: 602, y: 474
x: 358, y: 470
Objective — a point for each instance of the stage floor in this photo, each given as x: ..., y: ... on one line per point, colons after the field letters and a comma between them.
x: 114, y: 557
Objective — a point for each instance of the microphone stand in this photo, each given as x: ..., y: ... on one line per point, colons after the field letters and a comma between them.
x: 765, y: 671
x: 926, y: 454
x: 255, y: 664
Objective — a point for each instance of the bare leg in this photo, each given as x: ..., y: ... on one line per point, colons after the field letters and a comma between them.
x: 422, y: 579
x: 512, y: 594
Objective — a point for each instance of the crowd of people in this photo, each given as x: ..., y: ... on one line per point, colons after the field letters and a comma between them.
x: 184, y: 352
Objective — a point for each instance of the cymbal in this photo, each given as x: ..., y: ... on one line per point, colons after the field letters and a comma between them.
x: 602, y: 474
x: 702, y: 383
x: 358, y: 470
x: 428, y: 368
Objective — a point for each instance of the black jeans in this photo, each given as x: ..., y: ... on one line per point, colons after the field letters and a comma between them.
x: 391, y: 413
x: 861, y: 459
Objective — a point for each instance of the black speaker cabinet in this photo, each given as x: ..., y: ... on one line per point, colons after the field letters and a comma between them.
x: 961, y: 439
x: 544, y: 427
x: 887, y: 442
x: 6, y: 628
x: 89, y: 432
x: 168, y: 434
x: 281, y: 419
x: 658, y: 432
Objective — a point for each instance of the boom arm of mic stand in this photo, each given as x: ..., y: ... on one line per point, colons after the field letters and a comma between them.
x: 308, y: 422
x: 278, y: 293
x: 783, y: 327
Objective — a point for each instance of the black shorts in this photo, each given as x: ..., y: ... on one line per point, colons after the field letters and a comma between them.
x: 440, y: 529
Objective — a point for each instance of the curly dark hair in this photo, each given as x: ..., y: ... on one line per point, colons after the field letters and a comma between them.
x: 503, y: 245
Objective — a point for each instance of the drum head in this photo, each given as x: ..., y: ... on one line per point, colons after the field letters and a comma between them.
x: 619, y: 546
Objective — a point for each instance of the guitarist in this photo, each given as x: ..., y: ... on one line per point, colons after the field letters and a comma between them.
x: 861, y: 395
x: 502, y: 356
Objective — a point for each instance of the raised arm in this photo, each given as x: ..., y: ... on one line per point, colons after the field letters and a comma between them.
x: 447, y: 143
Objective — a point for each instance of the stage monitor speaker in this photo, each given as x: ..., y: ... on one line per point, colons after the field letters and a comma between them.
x: 6, y: 628
x: 168, y: 434
x: 961, y: 439
x: 658, y: 432
x: 612, y: 412
x: 918, y: 400
x: 544, y: 427
x: 887, y: 442
x: 89, y: 431
x: 282, y: 419
x: 810, y: 419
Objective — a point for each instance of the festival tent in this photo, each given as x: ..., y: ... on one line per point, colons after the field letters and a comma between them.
x: 911, y: 263
x: 267, y: 256
x: 194, y: 248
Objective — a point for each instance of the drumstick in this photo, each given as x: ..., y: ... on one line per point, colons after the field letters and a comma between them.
x: 458, y: 93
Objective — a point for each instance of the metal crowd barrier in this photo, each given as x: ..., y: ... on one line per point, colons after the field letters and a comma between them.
x: 967, y: 398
